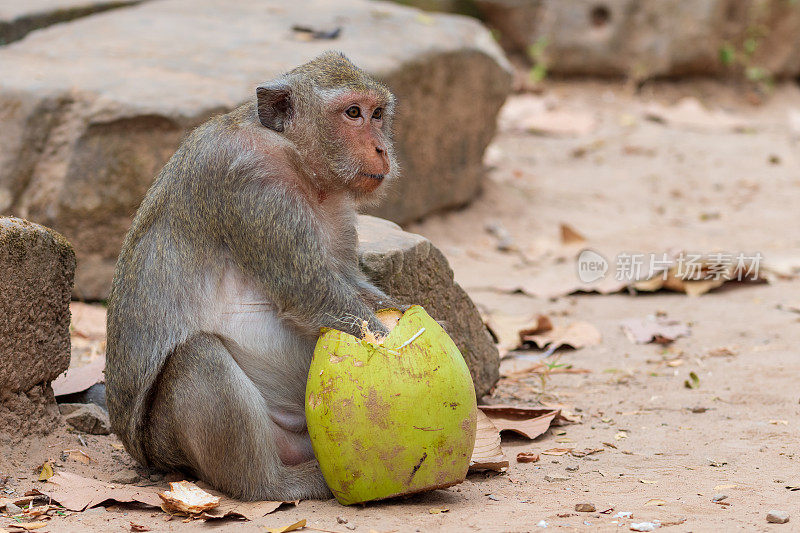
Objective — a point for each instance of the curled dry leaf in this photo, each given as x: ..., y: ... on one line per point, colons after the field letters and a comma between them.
x: 576, y: 335
x: 30, y: 526
x: 527, y: 457
x: 186, y: 497
x: 525, y: 421
x: 585, y: 452
x: 543, y: 325
x: 487, y: 453
x: 557, y: 451
x: 230, y: 508
x: 76, y: 455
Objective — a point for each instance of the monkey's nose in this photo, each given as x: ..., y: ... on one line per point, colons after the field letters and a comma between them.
x: 379, y: 149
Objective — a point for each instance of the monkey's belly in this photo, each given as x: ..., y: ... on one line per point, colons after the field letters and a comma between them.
x: 271, y: 353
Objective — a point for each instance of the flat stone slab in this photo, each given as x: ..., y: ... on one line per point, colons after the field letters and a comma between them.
x: 413, y: 271
x: 20, y: 17
x: 38, y: 266
x: 91, y: 110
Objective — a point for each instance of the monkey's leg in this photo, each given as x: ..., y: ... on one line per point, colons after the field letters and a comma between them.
x: 209, y: 417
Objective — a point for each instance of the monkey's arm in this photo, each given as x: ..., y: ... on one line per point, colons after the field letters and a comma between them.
x: 376, y: 299
x: 274, y: 236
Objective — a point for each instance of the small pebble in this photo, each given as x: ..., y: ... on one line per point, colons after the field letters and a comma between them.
x: 719, y: 497
x: 341, y: 520
x: 573, y: 468
x: 550, y: 478
x: 644, y: 526
x: 541, y: 523
x: 12, y: 509
x: 493, y: 497
x: 351, y: 527
x: 777, y: 517
x: 585, y: 507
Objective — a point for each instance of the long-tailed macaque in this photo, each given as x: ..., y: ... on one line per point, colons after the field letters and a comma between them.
x: 243, y: 248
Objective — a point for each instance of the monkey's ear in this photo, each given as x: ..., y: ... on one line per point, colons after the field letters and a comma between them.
x: 274, y: 105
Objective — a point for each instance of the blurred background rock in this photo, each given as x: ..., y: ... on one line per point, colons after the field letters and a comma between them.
x: 97, y: 94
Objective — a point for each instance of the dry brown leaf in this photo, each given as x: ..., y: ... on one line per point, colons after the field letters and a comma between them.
x: 653, y: 329
x: 576, y: 335
x: 186, y: 497
x: 46, y: 471
x: 543, y: 324
x: 77, y: 493
x: 77, y: 455
x: 30, y: 526
x: 695, y: 285
x: 585, y: 452
x: 230, y: 508
x: 139, y: 527
x: 487, y: 453
x: 527, y: 422
x: 557, y: 451
x: 569, y: 235
x: 291, y: 527
x: 527, y: 457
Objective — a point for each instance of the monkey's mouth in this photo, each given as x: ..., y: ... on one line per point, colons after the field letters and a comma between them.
x: 378, y: 177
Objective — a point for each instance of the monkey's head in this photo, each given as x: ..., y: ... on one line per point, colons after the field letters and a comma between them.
x: 338, y: 118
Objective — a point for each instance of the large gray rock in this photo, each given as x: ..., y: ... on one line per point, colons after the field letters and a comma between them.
x: 91, y: 109
x: 18, y: 18
x: 653, y: 38
x: 37, y: 266
x: 413, y: 271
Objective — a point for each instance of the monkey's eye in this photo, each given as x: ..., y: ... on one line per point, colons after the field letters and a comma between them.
x: 378, y: 113
x: 353, y: 111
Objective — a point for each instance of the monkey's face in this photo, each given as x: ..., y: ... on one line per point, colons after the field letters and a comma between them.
x: 338, y: 118
x: 363, y: 157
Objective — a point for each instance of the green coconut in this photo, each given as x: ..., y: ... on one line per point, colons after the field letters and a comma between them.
x: 391, y: 418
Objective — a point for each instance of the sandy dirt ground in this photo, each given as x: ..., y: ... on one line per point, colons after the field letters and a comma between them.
x: 627, y: 184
